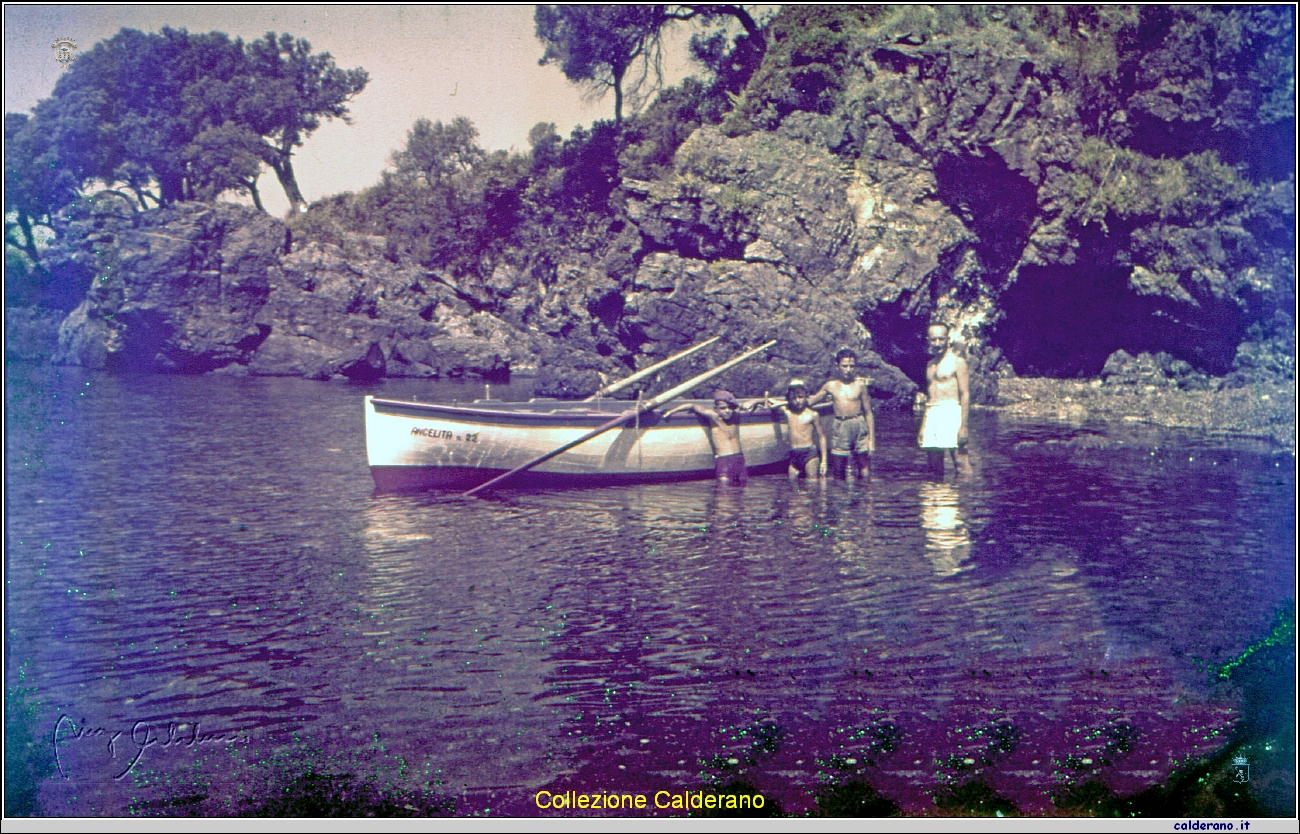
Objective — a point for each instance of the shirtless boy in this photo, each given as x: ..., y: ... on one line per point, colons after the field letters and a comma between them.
x: 947, y: 410
x: 805, y: 427
x: 855, y: 426
x: 724, y: 434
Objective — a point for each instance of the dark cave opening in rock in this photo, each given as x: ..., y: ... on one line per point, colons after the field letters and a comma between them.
x: 899, y: 337
x: 1064, y: 321
x: 995, y: 202
x: 1267, y: 150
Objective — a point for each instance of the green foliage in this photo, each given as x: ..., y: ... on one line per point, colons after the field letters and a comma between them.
x: 809, y: 51
x: 854, y: 799
x: 445, y: 204
x: 224, y: 158
x: 174, y: 116
x: 338, y: 220
x: 28, y: 759
x: 436, y: 153
x: 35, y: 186
x: 653, y: 136
x: 1113, y: 180
x: 598, y: 45
x: 619, y: 47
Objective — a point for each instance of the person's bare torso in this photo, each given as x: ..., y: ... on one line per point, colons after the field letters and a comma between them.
x: 846, y: 397
x: 942, y: 378
x: 801, y: 426
x: 724, y: 435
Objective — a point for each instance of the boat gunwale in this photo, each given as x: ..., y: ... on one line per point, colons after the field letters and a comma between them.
x: 568, y: 416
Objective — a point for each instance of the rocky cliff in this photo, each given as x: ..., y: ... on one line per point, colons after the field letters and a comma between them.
x: 958, y: 177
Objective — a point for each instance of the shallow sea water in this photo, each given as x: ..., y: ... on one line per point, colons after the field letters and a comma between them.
x: 210, y: 551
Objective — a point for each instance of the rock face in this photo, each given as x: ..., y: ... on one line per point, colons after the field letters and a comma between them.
x: 949, y: 182
x: 178, y: 289
x: 214, y: 287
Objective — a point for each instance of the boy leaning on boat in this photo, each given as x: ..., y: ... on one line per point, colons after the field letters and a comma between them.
x: 855, y: 426
x: 724, y: 433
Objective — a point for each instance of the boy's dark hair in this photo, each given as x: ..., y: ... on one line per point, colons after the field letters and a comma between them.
x: 844, y: 353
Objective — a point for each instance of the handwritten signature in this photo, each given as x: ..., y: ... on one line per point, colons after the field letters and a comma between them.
x: 141, y: 737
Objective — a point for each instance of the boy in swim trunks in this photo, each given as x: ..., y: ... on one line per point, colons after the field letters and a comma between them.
x: 724, y: 434
x: 947, y: 410
x: 854, y: 433
x: 805, y: 428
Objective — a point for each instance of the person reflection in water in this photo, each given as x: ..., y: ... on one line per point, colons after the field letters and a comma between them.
x: 947, y: 411
x: 724, y: 433
x: 947, y: 542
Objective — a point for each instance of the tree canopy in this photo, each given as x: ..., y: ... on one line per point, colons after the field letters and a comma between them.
x: 620, y: 47
x: 171, y: 116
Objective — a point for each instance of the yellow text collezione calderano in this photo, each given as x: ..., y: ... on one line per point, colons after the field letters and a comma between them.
x: 661, y: 800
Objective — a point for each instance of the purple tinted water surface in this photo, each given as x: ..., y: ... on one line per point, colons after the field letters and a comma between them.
x: 209, y: 551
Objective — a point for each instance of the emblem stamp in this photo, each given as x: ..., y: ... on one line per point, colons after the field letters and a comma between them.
x: 1240, y: 769
x: 65, y: 50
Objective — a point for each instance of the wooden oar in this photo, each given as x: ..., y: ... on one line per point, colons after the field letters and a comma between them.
x: 645, y: 372
x: 648, y: 405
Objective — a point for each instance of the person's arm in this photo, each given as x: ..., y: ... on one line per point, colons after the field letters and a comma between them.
x: 822, y: 393
x: 683, y: 407
x: 823, y: 463
x: 865, y: 398
x: 963, y: 396
x: 920, y: 430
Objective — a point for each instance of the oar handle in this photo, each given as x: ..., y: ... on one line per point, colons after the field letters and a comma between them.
x: 673, y: 393
x: 645, y: 372
x: 622, y: 418
x: 649, y: 405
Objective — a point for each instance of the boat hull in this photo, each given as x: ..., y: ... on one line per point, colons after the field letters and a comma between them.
x: 414, y: 446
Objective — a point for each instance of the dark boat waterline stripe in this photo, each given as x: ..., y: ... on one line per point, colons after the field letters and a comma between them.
x: 417, y: 478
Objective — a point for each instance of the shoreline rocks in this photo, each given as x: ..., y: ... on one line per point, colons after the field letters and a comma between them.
x: 1257, y: 410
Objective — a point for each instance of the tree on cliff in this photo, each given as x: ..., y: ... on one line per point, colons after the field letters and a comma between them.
x: 445, y: 201
x: 174, y: 116
x: 601, y: 45
x: 292, y: 91
x: 435, y: 152
x: 34, y: 184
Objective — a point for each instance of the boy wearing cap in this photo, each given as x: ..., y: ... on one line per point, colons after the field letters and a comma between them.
x: 805, y: 427
x: 855, y: 425
x: 724, y: 434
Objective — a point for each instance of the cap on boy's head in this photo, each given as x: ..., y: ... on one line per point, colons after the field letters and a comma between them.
x: 845, y: 353
x: 796, y: 385
x: 723, y: 395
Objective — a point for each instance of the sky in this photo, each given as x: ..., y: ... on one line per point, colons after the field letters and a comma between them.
x: 435, y: 62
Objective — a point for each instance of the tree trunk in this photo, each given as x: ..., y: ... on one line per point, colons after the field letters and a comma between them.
x: 282, y: 165
x: 751, y: 28
x: 29, y: 240
x: 252, y: 190
x: 618, y: 98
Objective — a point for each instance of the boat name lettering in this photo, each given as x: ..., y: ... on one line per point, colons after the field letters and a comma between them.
x: 445, y: 434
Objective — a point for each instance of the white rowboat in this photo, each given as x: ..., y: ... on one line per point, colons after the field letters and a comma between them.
x: 413, y: 445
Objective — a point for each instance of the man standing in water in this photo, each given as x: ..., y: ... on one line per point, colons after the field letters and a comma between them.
x: 947, y: 410
x: 854, y: 432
